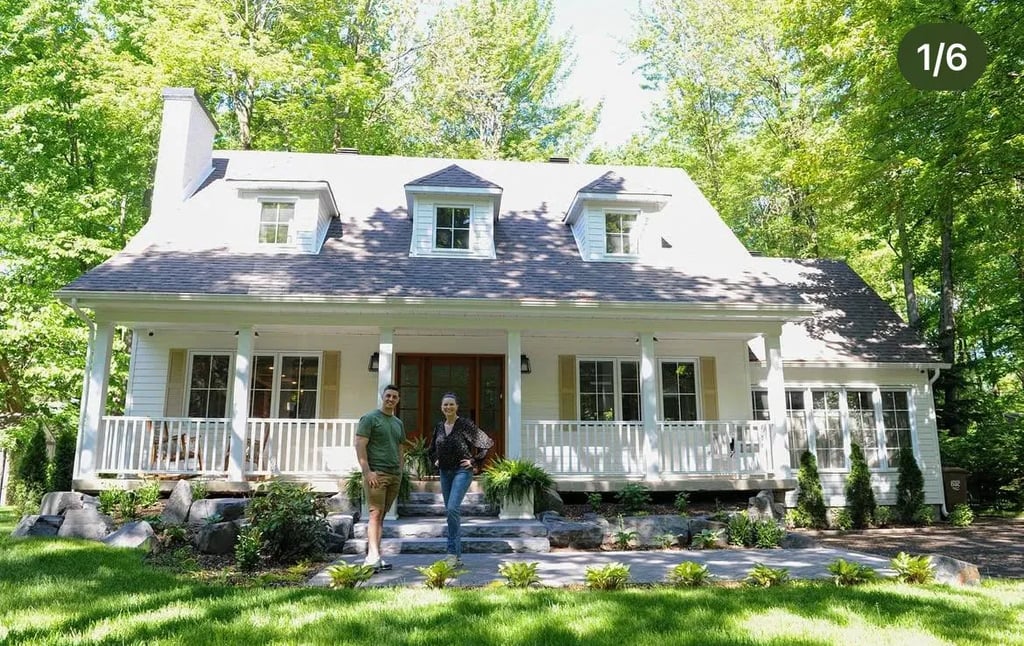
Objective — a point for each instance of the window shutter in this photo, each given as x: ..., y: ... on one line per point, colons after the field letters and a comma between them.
x: 174, y: 397
x: 567, y: 386
x: 330, y: 378
x: 709, y: 388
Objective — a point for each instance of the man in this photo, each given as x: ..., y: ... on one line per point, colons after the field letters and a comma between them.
x: 379, y: 449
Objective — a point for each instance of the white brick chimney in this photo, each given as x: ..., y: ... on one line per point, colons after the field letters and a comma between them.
x: 186, y: 149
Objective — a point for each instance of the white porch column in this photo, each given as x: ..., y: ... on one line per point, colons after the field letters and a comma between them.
x: 77, y: 471
x: 513, y: 395
x: 240, y: 402
x: 386, y: 366
x: 97, y: 376
x: 649, y: 407
x: 777, y: 405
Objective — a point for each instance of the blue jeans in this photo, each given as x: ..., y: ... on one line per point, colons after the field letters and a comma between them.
x: 454, y: 484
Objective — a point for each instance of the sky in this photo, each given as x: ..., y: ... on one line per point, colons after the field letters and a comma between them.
x: 604, y: 67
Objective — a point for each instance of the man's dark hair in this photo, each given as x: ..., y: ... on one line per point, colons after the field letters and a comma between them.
x: 390, y: 387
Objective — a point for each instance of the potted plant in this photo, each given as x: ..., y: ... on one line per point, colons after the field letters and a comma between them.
x: 513, y: 485
x: 417, y: 459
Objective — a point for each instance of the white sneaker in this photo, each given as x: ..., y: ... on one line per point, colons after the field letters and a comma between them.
x: 453, y: 560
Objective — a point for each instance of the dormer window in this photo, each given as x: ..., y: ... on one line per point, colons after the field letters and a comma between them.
x: 451, y: 227
x: 620, y: 233
x: 276, y: 222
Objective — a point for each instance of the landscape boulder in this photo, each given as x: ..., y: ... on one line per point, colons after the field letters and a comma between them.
x: 176, y: 510
x: 87, y: 522
x: 951, y: 571
x: 340, y: 524
x: 56, y: 503
x: 649, y: 529
x: 37, y: 525
x: 224, y: 509
x: 218, y: 538
x: 340, y: 504
x: 763, y: 507
x: 132, y: 535
x: 580, y: 535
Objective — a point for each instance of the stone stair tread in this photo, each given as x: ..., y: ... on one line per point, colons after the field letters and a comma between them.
x: 471, y: 528
x: 492, y: 545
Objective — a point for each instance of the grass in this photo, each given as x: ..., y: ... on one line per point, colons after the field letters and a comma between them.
x: 79, y: 592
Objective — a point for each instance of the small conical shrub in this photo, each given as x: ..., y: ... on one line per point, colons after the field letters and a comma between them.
x: 810, y: 499
x: 909, y: 488
x: 63, y: 461
x: 860, y: 499
x: 32, y: 462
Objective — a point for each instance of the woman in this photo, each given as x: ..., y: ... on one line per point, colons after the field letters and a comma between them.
x: 457, y: 449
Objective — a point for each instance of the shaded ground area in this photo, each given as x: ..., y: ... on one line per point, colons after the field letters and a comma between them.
x: 996, y: 546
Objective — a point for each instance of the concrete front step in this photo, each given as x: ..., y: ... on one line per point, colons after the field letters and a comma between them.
x: 471, y: 528
x: 506, y: 545
x: 436, y: 497
x: 436, y: 509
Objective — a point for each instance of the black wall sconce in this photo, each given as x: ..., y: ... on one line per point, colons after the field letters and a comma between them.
x: 374, y: 364
x: 524, y: 364
x: 254, y: 333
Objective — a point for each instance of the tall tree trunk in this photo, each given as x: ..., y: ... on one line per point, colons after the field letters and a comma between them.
x: 947, y: 325
x: 909, y: 292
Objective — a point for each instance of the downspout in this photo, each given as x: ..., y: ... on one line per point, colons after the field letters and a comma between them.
x: 931, y: 386
x: 91, y: 326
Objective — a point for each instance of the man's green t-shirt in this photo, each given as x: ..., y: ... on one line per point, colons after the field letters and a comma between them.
x: 385, y: 433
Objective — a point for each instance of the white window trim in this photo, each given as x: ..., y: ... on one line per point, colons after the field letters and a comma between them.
x: 696, y: 384
x: 876, y: 401
x: 275, y: 389
x: 616, y: 385
x: 469, y: 250
x: 634, y: 236
x: 294, y: 201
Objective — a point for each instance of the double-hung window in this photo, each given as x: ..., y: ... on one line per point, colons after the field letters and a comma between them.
x: 796, y: 417
x: 679, y: 391
x: 284, y: 386
x: 620, y: 234
x: 451, y: 227
x: 276, y: 222
x: 609, y: 389
x: 209, y: 375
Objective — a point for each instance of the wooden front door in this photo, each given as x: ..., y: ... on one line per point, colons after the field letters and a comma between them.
x: 477, y: 380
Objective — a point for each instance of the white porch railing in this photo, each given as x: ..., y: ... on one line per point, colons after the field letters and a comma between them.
x: 707, y: 448
x: 201, y: 446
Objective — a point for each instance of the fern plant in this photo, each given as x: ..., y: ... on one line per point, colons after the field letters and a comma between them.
x: 613, y: 576
x: 519, y: 574
x: 913, y: 569
x: 689, y: 574
x: 846, y: 573
x: 514, y: 480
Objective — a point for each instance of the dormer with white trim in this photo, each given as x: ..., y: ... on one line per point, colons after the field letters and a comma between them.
x: 284, y: 215
x: 454, y: 213
x: 610, y: 220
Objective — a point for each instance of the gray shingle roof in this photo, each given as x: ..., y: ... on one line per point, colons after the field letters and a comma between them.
x: 454, y: 176
x: 612, y: 183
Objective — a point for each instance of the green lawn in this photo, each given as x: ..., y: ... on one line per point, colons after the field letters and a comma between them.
x: 76, y: 592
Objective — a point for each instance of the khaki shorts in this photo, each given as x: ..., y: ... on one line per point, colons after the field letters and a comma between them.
x: 384, y: 494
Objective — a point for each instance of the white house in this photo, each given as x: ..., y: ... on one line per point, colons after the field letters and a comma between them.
x: 601, y: 321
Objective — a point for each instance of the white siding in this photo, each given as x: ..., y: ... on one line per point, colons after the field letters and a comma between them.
x: 481, y: 237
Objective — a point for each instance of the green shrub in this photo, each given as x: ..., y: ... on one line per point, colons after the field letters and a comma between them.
x: 438, y: 573
x: 349, y: 575
x: 247, y: 549
x: 108, y: 500
x: 32, y: 465
x: 740, y: 529
x: 63, y: 461
x: 417, y: 458
x: 199, y: 489
x: 515, y: 480
x: 25, y: 499
x: 762, y: 576
x: 634, y: 497
x: 613, y: 576
x: 689, y: 574
x: 883, y: 516
x: 768, y: 534
x: 797, y: 518
x: 841, y: 519
x: 148, y: 494
x: 519, y: 574
x: 925, y: 515
x: 682, y: 502
x: 909, y: 488
x: 913, y: 569
x: 860, y: 499
x: 810, y: 498
x: 961, y: 516
x: 594, y: 499
x: 291, y: 520
x: 846, y: 573
x: 706, y: 539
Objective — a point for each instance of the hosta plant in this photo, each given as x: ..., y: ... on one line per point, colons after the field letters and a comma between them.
x: 349, y: 575
x: 519, y: 574
x: 623, y: 537
x: 706, y: 539
x: 613, y: 576
x: 913, y: 569
x: 762, y: 576
x: 666, y: 540
x: 845, y: 573
x: 689, y: 574
x: 439, y: 572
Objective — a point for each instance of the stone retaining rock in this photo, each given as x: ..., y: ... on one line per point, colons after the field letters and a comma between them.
x: 132, y: 535
x: 176, y: 510
x: 56, y: 503
x: 228, y: 509
x: 87, y: 522
x: 37, y: 525
x: 580, y: 535
x: 340, y: 504
x: 218, y: 538
x: 335, y: 543
x: 763, y: 507
x: 954, y: 572
x: 340, y: 524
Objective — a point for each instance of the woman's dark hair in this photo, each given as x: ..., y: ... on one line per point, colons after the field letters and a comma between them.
x: 450, y: 395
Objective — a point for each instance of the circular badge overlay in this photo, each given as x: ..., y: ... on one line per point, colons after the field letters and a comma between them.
x: 942, y: 56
